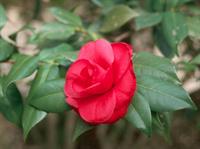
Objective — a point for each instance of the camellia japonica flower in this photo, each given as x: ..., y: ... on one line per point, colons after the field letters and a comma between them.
x: 100, y: 84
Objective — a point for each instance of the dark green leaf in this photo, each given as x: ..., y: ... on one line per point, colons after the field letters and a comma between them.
x: 31, y: 115
x: 80, y: 128
x: 148, y: 64
x: 139, y: 114
x: 147, y: 20
x: 162, y: 43
x: 11, y: 103
x: 171, y: 33
x: 5, y: 50
x: 50, y: 97
x: 157, y: 5
x: 117, y: 17
x: 3, y: 17
x: 170, y: 4
x: 162, y: 95
x: 162, y: 124
x: 65, y: 16
x: 23, y: 67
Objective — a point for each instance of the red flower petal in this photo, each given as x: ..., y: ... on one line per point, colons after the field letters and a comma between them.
x: 79, y: 85
x: 99, y: 51
x: 124, y: 92
x: 122, y: 60
x: 97, y: 109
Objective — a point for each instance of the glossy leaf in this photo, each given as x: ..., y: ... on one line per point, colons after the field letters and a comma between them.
x: 162, y: 95
x: 80, y: 128
x: 117, y: 17
x: 139, y: 114
x: 5, y: 50
x: 50, y: 97
x: 148, y: 64
x: 31, y: 115
x: 65, y: 16
x: 23, y: 67
x: 11, y: 103
x: 63, y: 51
x: 3, y: 17
x: 53, y: 31
x: 147, y: 20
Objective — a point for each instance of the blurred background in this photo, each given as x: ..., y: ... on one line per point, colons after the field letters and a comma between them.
x: 55, y: 131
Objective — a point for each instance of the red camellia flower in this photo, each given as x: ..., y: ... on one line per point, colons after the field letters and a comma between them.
x: 101, y: 83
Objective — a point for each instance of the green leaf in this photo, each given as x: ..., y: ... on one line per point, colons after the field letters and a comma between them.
x: 148, y: 64
x: 162, y: 124
x: 80, y: 128
x: 170, y: 4
x: 23, y: 67
x: 171, y: 33
x: 11, y: 103
x: 193, y: 26
x: 65, y: 16
x: 50, y: 97
x: 63, y: 51
x: 117, y: 17
x: 52, y: 31
x: 196, y: 60
x: 162, y: 95
x: 31, y: 115
x: 139, y: 114
x: 147, y: 20
x: 3, y: 17
x: 157, y: 5
x: 5, y: 50
x: 163, y: 46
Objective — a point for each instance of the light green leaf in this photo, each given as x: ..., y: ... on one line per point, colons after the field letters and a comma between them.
x: 139, y: 114
x: 59, y: 52
x: 147, y: 20
x: 80, y: 128
x: 193, y: 26
x: 65, y: 16
x: 162, y: 95
x: 50, y: 97
x: 117, y: 17
x: 196, y: 60
x: 148, y: 64
x: 5, y: 50
x: 52, y: 31
x: 3, y: 17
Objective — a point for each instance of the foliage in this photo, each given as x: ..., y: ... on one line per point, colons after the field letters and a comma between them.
x: 159, y: 91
